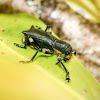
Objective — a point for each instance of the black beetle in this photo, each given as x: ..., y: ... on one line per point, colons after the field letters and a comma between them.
x: 44, y: 41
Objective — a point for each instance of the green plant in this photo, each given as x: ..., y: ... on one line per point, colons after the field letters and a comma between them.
x: 42, y: 79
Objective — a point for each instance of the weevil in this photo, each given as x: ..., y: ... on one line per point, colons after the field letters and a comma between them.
x: 45, y: 42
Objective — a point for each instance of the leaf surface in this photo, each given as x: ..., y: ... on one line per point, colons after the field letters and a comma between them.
x: 42, y: 79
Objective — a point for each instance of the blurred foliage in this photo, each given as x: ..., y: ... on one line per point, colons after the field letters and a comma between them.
x: 42, y: 79
x: 90, y: 9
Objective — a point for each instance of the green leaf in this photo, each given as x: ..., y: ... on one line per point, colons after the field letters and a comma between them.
x: 42, y: 79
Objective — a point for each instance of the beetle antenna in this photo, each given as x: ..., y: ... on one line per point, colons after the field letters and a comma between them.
x: 74, y: 52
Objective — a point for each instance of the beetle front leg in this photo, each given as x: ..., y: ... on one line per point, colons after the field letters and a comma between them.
x: 67, y: 57
x: 67, y: 72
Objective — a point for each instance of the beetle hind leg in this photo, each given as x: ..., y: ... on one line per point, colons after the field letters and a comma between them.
x: 32, y: 57
x: 67, y: 72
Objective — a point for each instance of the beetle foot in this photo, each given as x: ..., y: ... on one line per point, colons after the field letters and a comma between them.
x: 25, y: 61
x: 58, y: 62
x: 67, y: 77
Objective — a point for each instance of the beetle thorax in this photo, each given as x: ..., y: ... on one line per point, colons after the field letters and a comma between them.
x: 62, y: 46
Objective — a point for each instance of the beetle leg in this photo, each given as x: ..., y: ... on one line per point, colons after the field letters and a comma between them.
x: 47, y: 51
x: 67, y: 72
x: 32, y: 57
x: 38, y: 27
x: 67, y: 57
x: 18, y: 45
x: 49, y: 29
